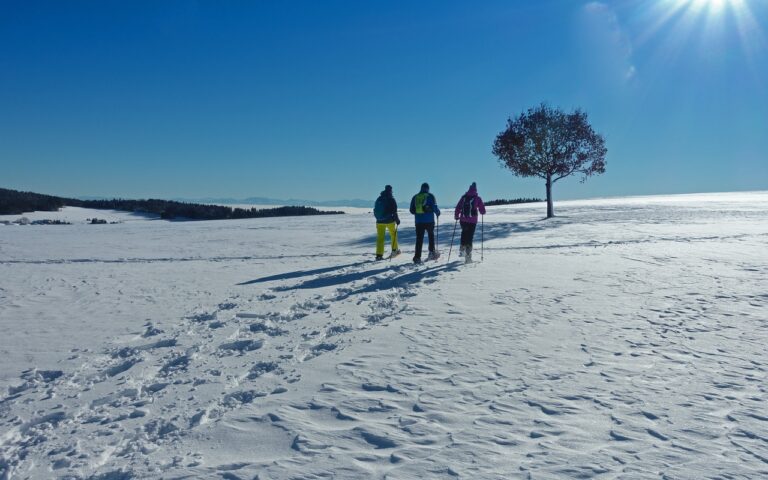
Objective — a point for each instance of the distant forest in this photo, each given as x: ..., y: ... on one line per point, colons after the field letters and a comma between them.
x: 503, y: 201
x: 13, y: 202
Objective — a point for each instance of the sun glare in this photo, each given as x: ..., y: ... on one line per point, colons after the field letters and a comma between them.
x: 711, y: 7
x: 715, y: 17
x: 711, y: 4
x: 690, y: 11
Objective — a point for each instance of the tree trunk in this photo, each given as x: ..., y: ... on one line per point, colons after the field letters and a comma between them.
x: 550, y: 206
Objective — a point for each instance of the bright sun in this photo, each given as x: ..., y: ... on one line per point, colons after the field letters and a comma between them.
x: 710, y: 20
x: 691, y: 12
x: 714, y: 6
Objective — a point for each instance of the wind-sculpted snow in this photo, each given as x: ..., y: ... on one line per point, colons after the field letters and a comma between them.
x: 624, y: 339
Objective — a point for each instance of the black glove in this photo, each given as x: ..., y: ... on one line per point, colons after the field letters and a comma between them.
x: 397, y: 221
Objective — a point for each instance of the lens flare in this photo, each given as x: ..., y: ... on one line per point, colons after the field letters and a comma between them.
x: 682, y: 18
x: 712, y: 7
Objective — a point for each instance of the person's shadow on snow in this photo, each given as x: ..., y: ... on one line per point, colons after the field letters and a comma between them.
x: 405, y: 275
x: 406, y: 234
x: 410, y: 277
x: 301, y: 273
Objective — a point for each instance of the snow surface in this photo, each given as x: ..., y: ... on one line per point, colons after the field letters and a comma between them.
x: 626, y: 338
x: 81, y: 215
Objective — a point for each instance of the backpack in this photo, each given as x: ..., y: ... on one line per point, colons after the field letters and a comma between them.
x: 422, y: 203
x: 468, y: 208
x: 379, y: 209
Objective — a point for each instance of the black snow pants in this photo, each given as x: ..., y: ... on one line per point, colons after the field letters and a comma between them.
x: 420, y: 229
x: 467, y: 233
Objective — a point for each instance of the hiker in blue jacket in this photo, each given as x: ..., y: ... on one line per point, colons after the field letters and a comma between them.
x: 424, y: 208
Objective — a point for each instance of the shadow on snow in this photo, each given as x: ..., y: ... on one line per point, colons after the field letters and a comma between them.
x: 412, y: 274
x: 410, y: 278
x: 490, y: 231
x: 404, y: 275
x: 300, y: 273
x: 406, y: 237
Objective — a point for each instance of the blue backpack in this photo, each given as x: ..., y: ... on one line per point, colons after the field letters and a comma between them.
x: 379, y: 209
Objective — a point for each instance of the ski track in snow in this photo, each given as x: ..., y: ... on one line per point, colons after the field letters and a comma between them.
x: 643, y: 358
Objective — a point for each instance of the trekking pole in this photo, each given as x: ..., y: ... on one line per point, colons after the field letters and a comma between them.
x: 390, y: 255
x: 452, y: 237
x: 482, y: 228
x: 437, y: 236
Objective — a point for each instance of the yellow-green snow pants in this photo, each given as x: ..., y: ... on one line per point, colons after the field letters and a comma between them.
x: 381, y: 228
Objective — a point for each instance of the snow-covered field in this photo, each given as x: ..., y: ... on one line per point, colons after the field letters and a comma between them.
x: 80, y: 215
x: 626, y: 338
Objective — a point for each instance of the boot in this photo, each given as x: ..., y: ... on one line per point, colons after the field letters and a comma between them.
x: 461, y: 251
x: 468, y: 254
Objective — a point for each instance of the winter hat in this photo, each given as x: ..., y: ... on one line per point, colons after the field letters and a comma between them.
x: 425, y: 187
x: 388, y: 188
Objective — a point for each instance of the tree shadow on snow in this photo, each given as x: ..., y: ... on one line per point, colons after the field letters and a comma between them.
x: 490, y: 231
x: 300, y: 273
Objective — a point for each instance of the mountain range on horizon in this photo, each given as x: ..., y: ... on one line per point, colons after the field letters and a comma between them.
x: 354, y: 203
x: 274, y: 201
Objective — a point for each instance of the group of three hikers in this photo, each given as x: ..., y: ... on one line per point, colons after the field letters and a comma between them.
x: 424, y: 208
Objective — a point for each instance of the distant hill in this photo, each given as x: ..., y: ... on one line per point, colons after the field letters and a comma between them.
x: 503, y: 201
x: 330, y: 203
x: 274, y: 201
x: 13, y: 202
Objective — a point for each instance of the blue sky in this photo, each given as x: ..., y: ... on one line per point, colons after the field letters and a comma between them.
x: 334, y: 99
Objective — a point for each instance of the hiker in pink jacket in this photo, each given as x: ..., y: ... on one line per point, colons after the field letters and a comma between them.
x: 470, y: 204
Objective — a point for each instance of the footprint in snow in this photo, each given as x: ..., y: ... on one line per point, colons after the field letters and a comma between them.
x: 242, y: 346
x: 262, y: 368
x: 177, y: 364
x: 268, y: 328
x: 202, y: 317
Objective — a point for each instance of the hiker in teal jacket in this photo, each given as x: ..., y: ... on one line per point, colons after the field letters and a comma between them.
x: 385, y: 211
x: 424, y: 207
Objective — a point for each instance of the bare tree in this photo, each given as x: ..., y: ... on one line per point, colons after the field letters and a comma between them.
x: 549, y: 143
